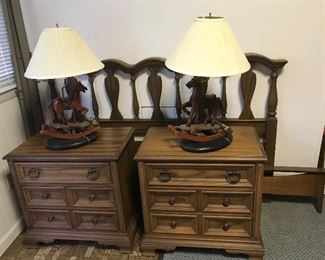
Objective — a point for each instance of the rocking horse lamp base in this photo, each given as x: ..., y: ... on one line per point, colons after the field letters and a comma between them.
x: 54, y: 143
x: 202, y: 147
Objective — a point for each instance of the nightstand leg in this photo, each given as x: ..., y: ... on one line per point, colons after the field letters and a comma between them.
x: 34, y: 243
x: 320, y: 193
x: 251, y: 255
x: 148, y: 253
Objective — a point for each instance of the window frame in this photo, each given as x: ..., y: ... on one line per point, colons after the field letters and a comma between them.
x: 9, y: 81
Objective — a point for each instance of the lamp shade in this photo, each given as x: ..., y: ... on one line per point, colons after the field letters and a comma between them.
x: 208, y: 49
x: 60, y: 53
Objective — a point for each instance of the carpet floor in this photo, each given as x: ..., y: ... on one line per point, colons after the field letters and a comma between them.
x: 291, y: 230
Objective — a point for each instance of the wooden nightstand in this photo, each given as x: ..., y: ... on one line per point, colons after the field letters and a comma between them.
x: 86, y: 193
x: 208, y: 200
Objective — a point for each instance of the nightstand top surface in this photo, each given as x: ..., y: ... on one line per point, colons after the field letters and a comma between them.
x: 161, y: 145
x: 108, y: 146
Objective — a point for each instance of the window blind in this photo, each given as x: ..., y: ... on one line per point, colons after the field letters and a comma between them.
x: 6, y: 69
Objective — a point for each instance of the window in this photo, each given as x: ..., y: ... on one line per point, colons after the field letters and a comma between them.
x: 7, y: 76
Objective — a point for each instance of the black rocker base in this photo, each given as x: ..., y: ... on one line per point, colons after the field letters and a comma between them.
x: 53, y: 143
x: 196, y: 147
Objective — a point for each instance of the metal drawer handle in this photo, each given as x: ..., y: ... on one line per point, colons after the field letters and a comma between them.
x: 50, y: 218
x: 94, y: 220
x: 226, y: 226
x: 226, y: 202
x: 93, y: 174
x: 172, y: 201
x: 92, y: 197
x: 164, y: 175
x: 33, y: 173
x: 233, y: 176
x: 173, y: 225
x: 45, y: 196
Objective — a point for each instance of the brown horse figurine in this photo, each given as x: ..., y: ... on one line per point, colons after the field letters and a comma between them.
x: 200, y: 101
x: 72, y: 101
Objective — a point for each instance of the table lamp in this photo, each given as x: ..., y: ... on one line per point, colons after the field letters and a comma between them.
x: 61, y: 53
x: 208, y: 49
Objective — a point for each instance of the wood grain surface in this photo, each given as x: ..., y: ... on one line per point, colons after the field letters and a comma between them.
x: 109, y: 146
x: 244, y: 147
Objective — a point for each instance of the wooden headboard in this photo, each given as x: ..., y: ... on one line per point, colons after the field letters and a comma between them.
x: 266, y: 127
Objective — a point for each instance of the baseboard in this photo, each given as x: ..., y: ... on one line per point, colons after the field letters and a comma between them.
x: 10, y: 236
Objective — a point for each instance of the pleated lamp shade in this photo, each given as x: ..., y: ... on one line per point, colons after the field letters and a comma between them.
x: 208, y: 49
x: 61, y: 53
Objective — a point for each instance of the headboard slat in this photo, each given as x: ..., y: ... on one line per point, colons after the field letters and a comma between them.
x: 91, y: 77
x: 247, y: 86
x: 53, y: 90
x: 178, y: 96
x: 155, y: 88
x: 135, y: 102
x: 224, y: 102
x: 112, y: 87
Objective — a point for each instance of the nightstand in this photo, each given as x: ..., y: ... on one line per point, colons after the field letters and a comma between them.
x: 210, y: 200
x: 85, y: 193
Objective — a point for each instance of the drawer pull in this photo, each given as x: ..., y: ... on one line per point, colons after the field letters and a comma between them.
x: 164, y: 175
x: 226, y: 202
x: 50, y: 218
x: 172, y: 201
x: 33, y: 173
x: 226, y: 226
x: 233, y: 176
x: 93, y: 174
x: 173, y: 225
x: 45, y: 196
x: 94, y: 220
x: 92, y: 197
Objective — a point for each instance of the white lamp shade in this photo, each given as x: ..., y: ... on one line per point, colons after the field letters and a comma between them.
x: 60, y: 53
x: 208, y: 49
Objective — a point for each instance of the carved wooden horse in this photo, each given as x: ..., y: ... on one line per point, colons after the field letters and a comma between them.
x: 72, y: 101
x: 200, y: 101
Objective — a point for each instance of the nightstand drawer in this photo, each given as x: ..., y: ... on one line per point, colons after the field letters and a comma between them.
x: 98, y: 221
x: 44, y: 196
x: 232, y: 226
x: 172, y: 200
x: 49, y: 219
x: 208, y: 175
x: 174, y: 224
x: 63, y: 172
x: 92, y: 197
x: 227, y: 202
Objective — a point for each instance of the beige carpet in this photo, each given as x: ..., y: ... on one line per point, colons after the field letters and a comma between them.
x: 68, y: 250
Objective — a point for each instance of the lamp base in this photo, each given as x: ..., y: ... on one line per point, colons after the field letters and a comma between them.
x: 54, y: 143
x: 202, y: 147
